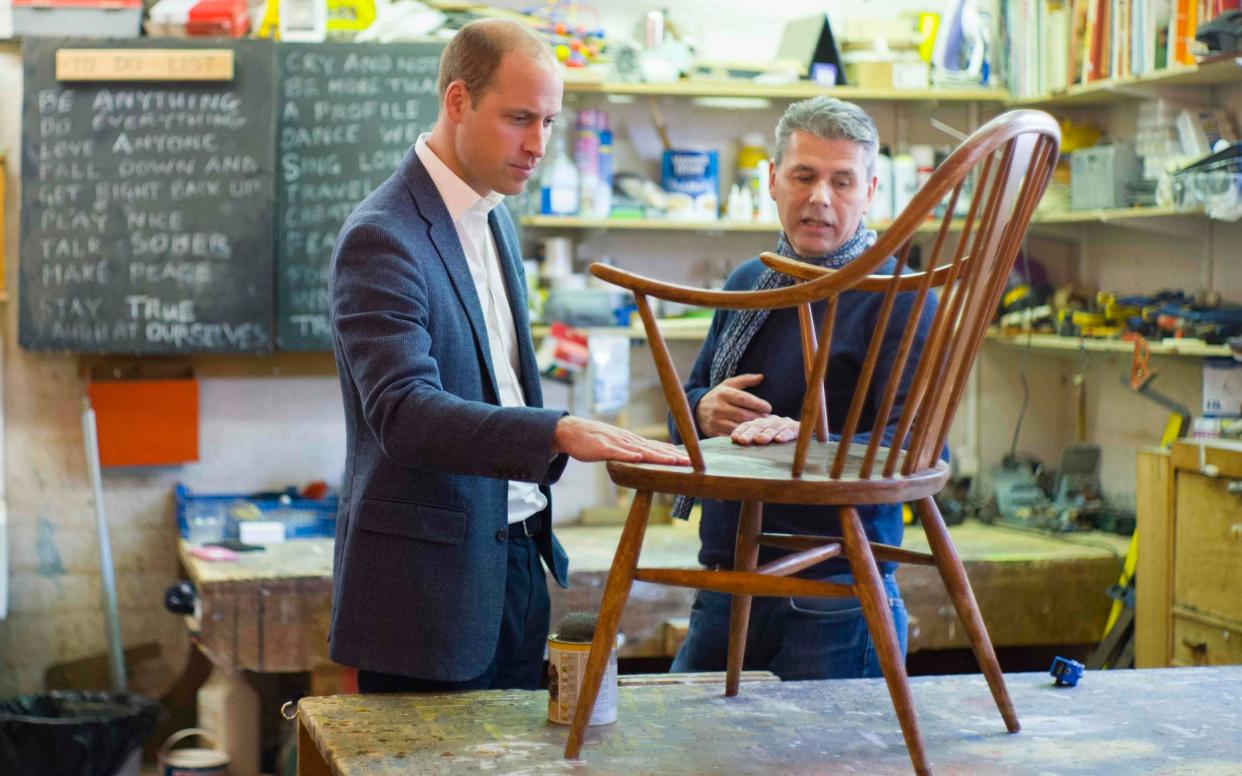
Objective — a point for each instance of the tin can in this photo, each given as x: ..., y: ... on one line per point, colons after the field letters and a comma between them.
x: 567, y: 662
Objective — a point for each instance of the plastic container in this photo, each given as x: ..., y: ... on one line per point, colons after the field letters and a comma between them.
x: 559, y: 187
x: 882, y: 200
x: 749, y: 157
x: 228, y: 707
x: 192, y: 761
x: 905, y: 182
x: 208, y: 518
x: 77, y: 18
x: 692, y: 180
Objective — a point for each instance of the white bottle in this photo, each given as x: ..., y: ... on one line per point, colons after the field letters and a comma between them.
x: 228, y: 707
x: 766, y: 206
x: 882, y: 201
x: 559, y: 189
x: 905, y: 182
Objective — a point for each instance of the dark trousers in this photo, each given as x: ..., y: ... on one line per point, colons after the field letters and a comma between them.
x: 518, y: 662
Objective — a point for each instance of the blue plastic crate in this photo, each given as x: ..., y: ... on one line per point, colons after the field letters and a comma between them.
x: 211, y: 517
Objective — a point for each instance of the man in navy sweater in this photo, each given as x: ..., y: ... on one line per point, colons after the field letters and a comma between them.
x: 748, y: 382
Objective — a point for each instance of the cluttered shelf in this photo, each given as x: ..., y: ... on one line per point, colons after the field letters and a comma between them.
x: 1214, y: 73
x: 723, y: 225
x: 695, y: 329
x: 668, y: 224
x: 1104, y: 215
x: 784, y: 91
x: 1056, y: 343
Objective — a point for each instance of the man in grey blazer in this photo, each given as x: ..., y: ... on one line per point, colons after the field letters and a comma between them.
x: 445, y: 505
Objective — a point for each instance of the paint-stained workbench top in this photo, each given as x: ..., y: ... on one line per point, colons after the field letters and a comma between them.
x: 1167, y: 721
x: 268, y: 611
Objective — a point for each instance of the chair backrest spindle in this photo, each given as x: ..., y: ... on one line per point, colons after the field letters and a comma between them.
x: 1013, y: 156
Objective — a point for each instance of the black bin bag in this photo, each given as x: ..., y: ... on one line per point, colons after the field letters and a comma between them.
x: 73, y: 733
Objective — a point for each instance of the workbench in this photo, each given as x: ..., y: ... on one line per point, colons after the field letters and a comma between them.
x: 268, y: 611
x: 1166, y: 721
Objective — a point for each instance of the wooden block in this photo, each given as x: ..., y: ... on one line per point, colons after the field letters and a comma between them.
x: 82, y: 64
x: 1154, y: 572
x: 706, y: 677
x: 674, y: 631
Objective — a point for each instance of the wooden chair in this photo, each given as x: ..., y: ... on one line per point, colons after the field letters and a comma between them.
x: 1010, y: 160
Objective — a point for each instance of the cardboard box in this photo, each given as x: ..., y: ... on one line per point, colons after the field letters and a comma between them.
x: 1222, y: 388
x: 870, y: 75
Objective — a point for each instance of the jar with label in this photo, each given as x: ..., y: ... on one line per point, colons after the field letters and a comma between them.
x: 749, y: 156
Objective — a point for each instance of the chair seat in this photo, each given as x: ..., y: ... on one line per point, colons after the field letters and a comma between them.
x: 762, y: 473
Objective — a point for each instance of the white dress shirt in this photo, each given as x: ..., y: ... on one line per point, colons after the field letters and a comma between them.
x: 469, y: 212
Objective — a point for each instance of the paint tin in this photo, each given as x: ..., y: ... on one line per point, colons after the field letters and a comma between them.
x: 192, y: 761
x: 567, y: 662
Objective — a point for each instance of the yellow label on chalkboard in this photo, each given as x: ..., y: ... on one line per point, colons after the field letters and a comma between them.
x: 80, y: 64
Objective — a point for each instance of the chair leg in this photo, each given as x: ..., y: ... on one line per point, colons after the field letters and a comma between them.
x: 954, y: 576
x: 745, y: 556
x: 616, y: 591
x: 869, y: 588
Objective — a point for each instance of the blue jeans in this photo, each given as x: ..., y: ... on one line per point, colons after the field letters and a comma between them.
x: 794, y: 638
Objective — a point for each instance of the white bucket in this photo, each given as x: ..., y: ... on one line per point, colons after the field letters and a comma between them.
x: 192, y: 761
x: 567, y: 661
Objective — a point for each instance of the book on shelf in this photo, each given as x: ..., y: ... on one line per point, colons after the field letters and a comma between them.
x: 1078, y: 42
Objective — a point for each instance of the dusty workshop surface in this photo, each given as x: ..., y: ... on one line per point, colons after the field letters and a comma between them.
x: 1156, y: 721
x: 268, y: 611
x: 1032, y: 589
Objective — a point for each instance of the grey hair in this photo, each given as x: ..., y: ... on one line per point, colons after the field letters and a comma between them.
x: 830, y: 119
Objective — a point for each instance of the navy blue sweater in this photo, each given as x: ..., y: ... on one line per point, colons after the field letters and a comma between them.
x: 775, y: 353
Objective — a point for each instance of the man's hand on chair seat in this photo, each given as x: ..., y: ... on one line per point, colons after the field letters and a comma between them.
x: 724, y: 407
x: 763, y: 431
x: 590, y: 440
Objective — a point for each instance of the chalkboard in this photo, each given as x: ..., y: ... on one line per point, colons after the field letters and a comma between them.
x: 146, y: 222
x: 347, y: 114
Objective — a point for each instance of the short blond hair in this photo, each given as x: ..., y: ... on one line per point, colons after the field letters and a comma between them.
x: 474, y: 53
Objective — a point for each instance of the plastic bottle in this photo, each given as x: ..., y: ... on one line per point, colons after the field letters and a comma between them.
x: 925, y: 160
x: 765, y: 205
x: 603, y: 194
x: 749, y: 156
x: 905, y: 182
x: 882, y: 200
x: 586, y: 158
x: 559, y: 186
x: 229, y: 707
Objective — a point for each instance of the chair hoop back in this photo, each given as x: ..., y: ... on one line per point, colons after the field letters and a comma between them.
x: 920, y: 351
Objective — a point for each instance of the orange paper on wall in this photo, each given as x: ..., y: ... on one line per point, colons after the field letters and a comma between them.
x: 146, y: 422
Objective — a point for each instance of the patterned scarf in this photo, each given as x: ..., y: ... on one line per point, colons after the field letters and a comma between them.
x: 744, y: 324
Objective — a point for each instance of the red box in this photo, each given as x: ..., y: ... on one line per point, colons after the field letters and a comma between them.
x: 146, y: 422
x: 218, y: 18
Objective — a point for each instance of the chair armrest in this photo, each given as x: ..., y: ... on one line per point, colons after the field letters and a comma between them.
x: 908, y: 282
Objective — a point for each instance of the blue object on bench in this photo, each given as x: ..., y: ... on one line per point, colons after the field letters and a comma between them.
x: 1066, y: 671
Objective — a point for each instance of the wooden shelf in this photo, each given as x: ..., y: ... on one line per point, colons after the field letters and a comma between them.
x: 791, y: 91
x: 1054, y: 343
x: 1222, y: 71
x: 658, y: 224
x: 648, y: 224
x: 695, y: 329
x: 1113, y: 214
